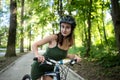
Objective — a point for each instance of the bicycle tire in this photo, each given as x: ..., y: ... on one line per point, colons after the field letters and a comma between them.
x: 26, y: 77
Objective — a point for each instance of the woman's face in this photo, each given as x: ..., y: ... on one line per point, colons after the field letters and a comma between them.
x: 65, y: 29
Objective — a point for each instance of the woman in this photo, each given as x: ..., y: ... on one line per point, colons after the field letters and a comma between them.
x: 58, y: 45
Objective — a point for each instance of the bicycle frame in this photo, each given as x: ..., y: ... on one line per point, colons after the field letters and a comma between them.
x: 55, y: 73
x: 58, y: 73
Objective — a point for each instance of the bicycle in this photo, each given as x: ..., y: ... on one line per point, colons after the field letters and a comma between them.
x: 60, y: 71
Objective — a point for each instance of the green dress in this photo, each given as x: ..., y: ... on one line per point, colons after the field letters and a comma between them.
x: 53, y: 53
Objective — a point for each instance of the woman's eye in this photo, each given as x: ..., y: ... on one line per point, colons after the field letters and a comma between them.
x: 68, y: 27
x: 62, y: 26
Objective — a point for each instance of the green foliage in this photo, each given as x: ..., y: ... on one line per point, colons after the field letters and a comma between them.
x: 109, y: 60
x: 77, y: 50
x: 105, y: 55
x: 3, y: 36
x: 74, y: 50
x: 39, y: 15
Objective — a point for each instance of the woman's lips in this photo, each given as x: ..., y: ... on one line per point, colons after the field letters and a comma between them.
x: 64, y: 32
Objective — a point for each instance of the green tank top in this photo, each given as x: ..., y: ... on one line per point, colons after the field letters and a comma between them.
x: 55, y: 53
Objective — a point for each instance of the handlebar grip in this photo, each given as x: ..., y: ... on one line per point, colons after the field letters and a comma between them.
x: 73, y: 61
x: 35, y: 59
x: 47, y: 61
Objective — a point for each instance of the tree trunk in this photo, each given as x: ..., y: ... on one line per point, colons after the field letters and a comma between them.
x: 0, y: 39
x: 100, y: 33
x: 85, y: 33
x: 60, y: 8
x: 29, y: 37
x: 22, y: 38
x: 104, y: 31
x: 89, y: 31
x: 116, y: 21
x: 11, y: 50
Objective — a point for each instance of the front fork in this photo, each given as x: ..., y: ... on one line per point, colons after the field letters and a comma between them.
x: 57, y: 71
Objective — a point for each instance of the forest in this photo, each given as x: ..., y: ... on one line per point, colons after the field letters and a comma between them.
x: 97, y: 34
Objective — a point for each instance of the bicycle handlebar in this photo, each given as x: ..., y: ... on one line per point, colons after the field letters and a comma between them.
x: 53, y: 62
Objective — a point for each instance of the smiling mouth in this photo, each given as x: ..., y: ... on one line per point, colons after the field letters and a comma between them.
x: 64, y: 33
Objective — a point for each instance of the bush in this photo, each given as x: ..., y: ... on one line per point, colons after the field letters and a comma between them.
x: 110, y: 61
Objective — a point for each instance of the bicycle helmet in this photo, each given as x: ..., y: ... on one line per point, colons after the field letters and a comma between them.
x: 68, y: 19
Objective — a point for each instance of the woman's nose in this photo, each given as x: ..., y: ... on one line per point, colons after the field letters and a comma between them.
x: 64, y: 29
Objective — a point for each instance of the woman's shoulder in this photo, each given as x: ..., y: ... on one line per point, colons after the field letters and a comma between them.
x: 52, y: 36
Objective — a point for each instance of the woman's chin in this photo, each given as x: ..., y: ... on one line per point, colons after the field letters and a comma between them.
x: 65, y: 35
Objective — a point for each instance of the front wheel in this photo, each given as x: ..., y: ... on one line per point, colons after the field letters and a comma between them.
x: 26, y: 77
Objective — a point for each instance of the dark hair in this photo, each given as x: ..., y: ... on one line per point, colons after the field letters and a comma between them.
x: 70, y: 20
x: 60, y: 39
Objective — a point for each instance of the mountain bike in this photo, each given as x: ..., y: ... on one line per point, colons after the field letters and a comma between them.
x: 60, y: 71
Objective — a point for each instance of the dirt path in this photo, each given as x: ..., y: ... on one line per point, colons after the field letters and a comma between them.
x: 88, y: 70
x: 18, y: 68
x: 93, y: 71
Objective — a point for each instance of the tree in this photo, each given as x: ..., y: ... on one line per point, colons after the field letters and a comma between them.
x: 11, y: 50
x: 60, y: 7
x: 89, y: 31
x: 104, y: 31
x: 115, y: 12
x: 22, y: 38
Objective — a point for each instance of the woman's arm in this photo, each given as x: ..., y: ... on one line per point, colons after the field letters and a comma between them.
x: 73, y: 56
x: 36, y: 44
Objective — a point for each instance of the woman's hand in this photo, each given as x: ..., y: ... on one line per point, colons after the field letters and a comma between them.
x: 40, y: 58
x: 73, y: 56
x: 77, y: 58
